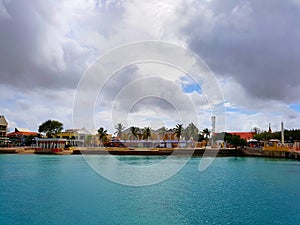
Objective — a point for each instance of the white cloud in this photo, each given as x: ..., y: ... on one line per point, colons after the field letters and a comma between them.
x: 3, y: 12
x: 252, y: 46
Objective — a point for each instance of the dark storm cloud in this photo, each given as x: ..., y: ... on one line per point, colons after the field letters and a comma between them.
x: 256, y: 42
x: 34, y: 52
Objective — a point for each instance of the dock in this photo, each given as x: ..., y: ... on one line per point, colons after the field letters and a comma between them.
x: 254, y: 152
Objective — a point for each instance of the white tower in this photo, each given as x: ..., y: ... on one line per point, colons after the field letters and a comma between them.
x: 213, y: 129
x: 213, y: 125
x: 282, y: 133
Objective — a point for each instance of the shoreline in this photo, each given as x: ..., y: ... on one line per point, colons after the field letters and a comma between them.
x: 198, y: 152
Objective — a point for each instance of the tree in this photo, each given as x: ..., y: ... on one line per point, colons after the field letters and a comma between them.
x: 103, y: 135
x: 28, y: 140
x: 256, y: 130
x: 146, y: 133
x: 264, y: 136
x: 289, y: 135
x: 178, y: 130
x: 201, y: 137
x: 206, y: 133
x: 234, y: 140
x: 51, y: 128
x: 134, y: 131
x: 139, y: 133
x: 119, y: 129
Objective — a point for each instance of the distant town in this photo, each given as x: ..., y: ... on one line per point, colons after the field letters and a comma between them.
x: 54, y: 129
x: 51, y: 136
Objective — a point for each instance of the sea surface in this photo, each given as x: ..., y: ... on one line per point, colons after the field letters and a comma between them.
x: 45, y: 189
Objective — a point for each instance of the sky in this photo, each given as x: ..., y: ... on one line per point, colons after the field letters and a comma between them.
x: 251, y: 47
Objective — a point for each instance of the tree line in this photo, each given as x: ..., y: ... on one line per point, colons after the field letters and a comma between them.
x: 137, y: 133
x: 289, y: 135
x: 52, y: 128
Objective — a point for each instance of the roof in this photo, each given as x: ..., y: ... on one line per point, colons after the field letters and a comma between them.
x: 71, y: 130
x: 18, y: 129
x: 78, y: 131
x: 3, y: 121
x: 274, y: 140
x: 245, y: 135
x: 21, y: 133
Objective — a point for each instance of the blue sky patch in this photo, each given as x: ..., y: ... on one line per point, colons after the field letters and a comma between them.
x: 189, y: 86
x: 295, y: 107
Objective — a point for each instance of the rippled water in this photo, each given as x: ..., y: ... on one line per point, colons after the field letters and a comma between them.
x: 43, y: 189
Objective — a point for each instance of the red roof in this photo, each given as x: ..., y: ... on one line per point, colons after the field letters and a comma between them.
x: 245, y: 135
x: 22, y: 133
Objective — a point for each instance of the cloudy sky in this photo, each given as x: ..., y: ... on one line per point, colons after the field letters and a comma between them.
x: 252, y: 48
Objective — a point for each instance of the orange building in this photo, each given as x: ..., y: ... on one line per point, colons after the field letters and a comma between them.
x: 245, y: 135
x: 21, y: 132
x: 18, y: 137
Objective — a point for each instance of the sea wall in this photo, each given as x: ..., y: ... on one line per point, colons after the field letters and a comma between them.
x: 164, y: 151
x: 254, y: 152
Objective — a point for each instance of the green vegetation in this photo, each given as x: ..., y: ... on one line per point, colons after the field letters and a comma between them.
x: 231, y: 139
x: 119, y: 129
x: 103, y: 135
x: 178, y: 130
x: 51, y: 128
x: 206, y: 133
x: 289, y: 135
x: 146, y: 133
x: 134, y: 132
x: 234, y: 140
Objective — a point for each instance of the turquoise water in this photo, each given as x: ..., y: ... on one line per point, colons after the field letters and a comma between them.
x: 42, y: 189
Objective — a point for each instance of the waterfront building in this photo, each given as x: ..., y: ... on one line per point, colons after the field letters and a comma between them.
x: 82, y: 136
x: 3, y: 131
x: 245, y: 135
x: 21, y: 136
x: 49, y: 145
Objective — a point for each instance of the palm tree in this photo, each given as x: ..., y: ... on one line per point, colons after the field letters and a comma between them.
x: 139, y: 133
x: 119, y: 129
x: 178, y: 130
x: 103, y: 135
x: 146, y: 132
x: 206, y: 133
x: 134, y: 131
